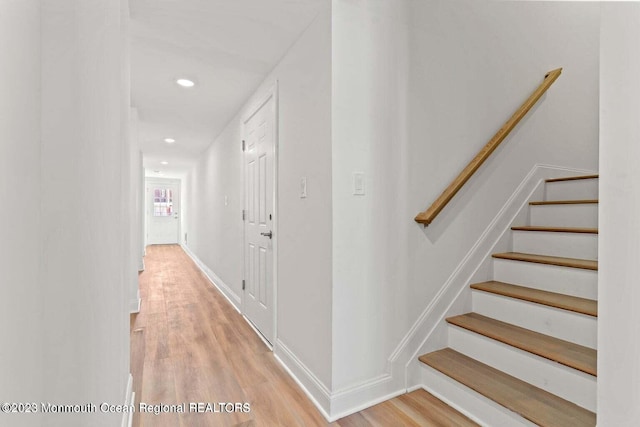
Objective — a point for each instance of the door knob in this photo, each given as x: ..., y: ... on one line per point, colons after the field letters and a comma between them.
x: 269, y: 234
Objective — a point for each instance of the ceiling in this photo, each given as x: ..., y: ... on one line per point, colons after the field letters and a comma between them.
x: 227, y: 47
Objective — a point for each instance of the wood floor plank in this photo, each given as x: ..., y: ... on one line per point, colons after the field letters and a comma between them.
x: 583, y: 230
x: 585, y: 264
x: 431, y: 411
x: 267, y: 407
x: 156, y: 338
x: 136, y: 363
x: 567, y: 353
x: 532, y: 403
x: 354, y: 420
x: 158, y: 387
x: 386, y: 414
x: 551, y: 299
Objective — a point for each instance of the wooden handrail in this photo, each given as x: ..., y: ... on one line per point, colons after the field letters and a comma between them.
x: 427, y: 216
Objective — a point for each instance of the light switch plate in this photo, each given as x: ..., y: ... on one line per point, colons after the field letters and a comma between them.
x: 303, y: 187
x: 358, y: 184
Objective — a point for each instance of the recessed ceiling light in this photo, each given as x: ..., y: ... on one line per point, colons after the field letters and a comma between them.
x: 164, y: 163
x: 156, y: 171
x: 185, y: 82
x: 169, y: 140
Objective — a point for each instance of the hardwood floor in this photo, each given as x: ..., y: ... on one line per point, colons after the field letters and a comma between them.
x: 188, y: 344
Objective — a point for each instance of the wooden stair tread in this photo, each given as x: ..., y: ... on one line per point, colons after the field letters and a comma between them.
x: 551, y: 299
x: 532, y: 403
x: 585, y: 264
x: 564, y: 202
x: 564, y: 352
x: 584, y: 230
x: 573, y: 178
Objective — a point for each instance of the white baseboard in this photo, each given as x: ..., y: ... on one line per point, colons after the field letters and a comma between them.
x: 310, y: 384
x: 129, y: 399
x: 224, y: 289
x: 354, y: 399
x: 340, y: 403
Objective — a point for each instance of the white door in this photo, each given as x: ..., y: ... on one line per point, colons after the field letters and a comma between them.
x: 259, y: 133
x: 163, y: 208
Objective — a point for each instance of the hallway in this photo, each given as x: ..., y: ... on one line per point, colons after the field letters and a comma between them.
x: 188, y: 344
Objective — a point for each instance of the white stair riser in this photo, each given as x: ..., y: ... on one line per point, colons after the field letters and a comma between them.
x: 565, y: 382
x: 564, y: 280
x: 571, y: 245
x: 485, y: 411
x: 566, y: 325
x: 577, y: 215
x: 579, y: 189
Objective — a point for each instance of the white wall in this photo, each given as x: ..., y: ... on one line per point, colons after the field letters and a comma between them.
x: 619, y: 242
x: 21, y: 367
x: 304, y: 225
x: 214, y: 230
x: 419, y: 87
x: 85, y: 230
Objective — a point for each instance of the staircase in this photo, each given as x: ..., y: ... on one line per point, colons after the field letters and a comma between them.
x: 526, y: 354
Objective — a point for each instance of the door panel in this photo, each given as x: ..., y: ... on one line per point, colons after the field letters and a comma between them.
x: 259, y: 131
x: 163, y: 212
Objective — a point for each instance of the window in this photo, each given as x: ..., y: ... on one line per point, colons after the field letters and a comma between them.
x: 162, y: 202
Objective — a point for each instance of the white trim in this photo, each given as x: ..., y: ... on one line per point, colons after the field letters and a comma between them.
x: 416, y: 387
x: 416, y: 339
x: 129, y: 399
x: 343, y: 402
x: 310, y: 384
x: 216, y: 281
x: 369, y: 393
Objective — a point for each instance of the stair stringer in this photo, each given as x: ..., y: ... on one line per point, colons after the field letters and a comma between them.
x: 428, y: 333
